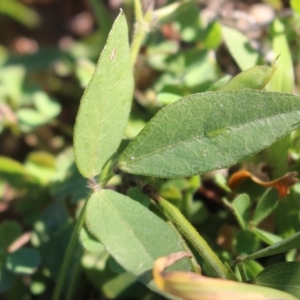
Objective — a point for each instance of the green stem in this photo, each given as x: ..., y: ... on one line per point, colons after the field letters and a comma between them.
x: 138, y: 11
x: 191, y: 234
x: 137, y: 41
x: 242, y: 272
x: 69, y: 254
x: 75, y: 278
x: 141, y: 28
x: 195, y: 266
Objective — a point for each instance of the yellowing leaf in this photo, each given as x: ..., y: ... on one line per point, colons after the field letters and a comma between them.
x: 282, y: 184
x: 192, y: 286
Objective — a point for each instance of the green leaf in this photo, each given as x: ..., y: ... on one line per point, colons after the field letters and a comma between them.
x: 287, y: 244
x: 209, y: 131
x: 167, y: 13
x: 283, y: 276
x: 13, y: 172
x: 265, y: 206
x: 253, y: 78
x: 246, y: 242
x: 89, y: 242
x: 187, y: 24
x: 23, y: 261
x: 241, y: 207
x: 287, y: 215
x: 295, y: 4
x: 9, y: 232
x: 30, y: 118
x: 213, y: 35
x: 283, y: 79
x: 20, y: 12
x: 240, y: 48
x: 41, y: 165
x: 46, y: 105
x: 105, y: 104
x: 267, y: 237
x: 252, y: 268
x: 167, y: 98
x: 133, y: 235
x: 67, y: 182
x: 12, y: 78
x: 219, y: 84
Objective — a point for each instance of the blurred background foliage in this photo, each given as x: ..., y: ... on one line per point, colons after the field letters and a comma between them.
x: 48, y: 51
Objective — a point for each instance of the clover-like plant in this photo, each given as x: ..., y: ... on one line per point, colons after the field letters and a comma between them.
x: 196, y: 134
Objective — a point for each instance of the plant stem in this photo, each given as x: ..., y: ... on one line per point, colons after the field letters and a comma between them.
x: 69, y: 254
x: 75, y: 277
x: 138, y: 11
x: 242, y: 272
x: 191, y: 234
x: 141, y: 28
x: 195, y: 266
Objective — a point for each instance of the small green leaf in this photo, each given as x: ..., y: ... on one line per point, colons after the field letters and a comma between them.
x: 23, y: 261
x: 12, y: 78
x: 9, y: 232
x: 266, y: 205
x: 287, y: 215
x: 133, y: 235
x: 254, y: 78
x: 247, y: 242
x: 213, y: 35
x: 13, y: 172
x: 68, y: 182
x: 252, y: 268
x: 41, y: 165
x: 46, y: 105
x: 283, y: 276
x: 167, y: 13
x: 89, y: 242
x: 219, y: 84
x: 240, y: 48
x: 287, y: 244
x: 30, y: 118
x: 105, y: 104
x: 209, y: 131
x: 267, y: 237
x: 241, y: 207
x: 167, y: 98
x: 20, y: 12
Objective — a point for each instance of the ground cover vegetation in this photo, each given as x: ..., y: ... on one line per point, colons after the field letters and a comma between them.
x: 149, y: 149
